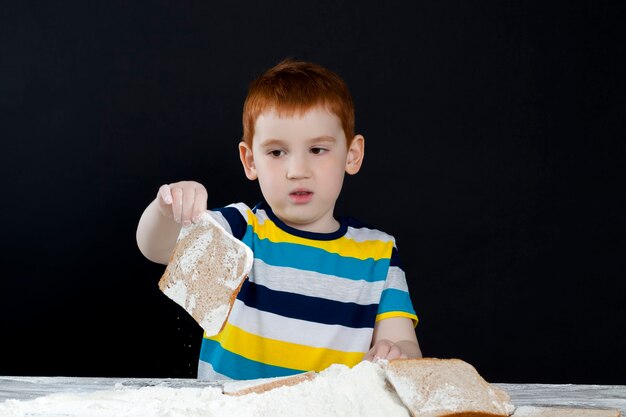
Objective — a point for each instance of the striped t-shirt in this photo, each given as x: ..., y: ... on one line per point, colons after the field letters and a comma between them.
x: 311, y: 299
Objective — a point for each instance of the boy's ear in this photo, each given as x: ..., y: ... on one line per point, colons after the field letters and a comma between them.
x: 247, y: 160
x: 356, y: 152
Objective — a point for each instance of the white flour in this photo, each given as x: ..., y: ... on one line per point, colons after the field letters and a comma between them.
x: 196, y: 250
x: 337, y: 391
x: 213, y: 319
x: 178, y: 293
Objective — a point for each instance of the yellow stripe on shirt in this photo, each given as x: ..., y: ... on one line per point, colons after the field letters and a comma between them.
x: 374, y: 249
x: 392, y: 314
x: 280, y: 353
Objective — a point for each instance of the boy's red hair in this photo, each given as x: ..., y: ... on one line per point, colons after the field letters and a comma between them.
x: 294, y: 87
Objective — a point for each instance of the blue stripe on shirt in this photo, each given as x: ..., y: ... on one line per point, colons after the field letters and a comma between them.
x: 395, y: 300
x: 236, y: 221
x: 302, y: 307
x: 236, y: 366
x: 395, y: 259
x: 315, y: 259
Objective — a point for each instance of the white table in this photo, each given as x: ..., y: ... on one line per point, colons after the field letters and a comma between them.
x: 602, y: 396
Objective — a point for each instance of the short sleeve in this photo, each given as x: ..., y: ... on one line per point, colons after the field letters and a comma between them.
x: 232, y: 218
x: 395, y: 300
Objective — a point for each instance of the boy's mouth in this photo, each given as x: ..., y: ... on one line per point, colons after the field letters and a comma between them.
x: 301, y: 196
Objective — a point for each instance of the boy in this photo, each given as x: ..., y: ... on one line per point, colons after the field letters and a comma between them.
x: 322, y: 290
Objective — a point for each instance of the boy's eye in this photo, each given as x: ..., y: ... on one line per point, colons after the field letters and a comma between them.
x: 275, y: 153
x: 317, y: 151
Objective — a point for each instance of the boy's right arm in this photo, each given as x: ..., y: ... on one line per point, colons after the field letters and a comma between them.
x: 176, y: 204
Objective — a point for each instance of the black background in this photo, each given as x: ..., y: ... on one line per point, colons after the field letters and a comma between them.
x: 495, y: 155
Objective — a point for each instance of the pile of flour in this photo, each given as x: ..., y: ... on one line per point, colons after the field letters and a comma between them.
x: 338, y: 391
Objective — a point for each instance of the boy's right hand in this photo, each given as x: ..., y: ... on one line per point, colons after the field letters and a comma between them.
x: 183, y: 201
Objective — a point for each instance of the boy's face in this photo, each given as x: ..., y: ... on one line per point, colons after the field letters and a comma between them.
x: 300, y: 163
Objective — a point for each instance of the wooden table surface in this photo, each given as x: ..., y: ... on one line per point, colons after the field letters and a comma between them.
x: 568, y: 395
x: 600, y: 396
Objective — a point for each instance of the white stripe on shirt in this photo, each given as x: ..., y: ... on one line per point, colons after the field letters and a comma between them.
x: 315, y: 284
x: 273, y: 326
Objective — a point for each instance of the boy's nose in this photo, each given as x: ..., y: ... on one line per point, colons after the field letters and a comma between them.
x: 298, y: 168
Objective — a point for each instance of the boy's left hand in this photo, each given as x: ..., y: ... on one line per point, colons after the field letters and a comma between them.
x: 393, y: 338
x: 385, y: 349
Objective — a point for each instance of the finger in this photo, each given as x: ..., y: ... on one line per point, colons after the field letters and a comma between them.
x: 165, y: 194
x: 378, y: 351
x: 382, y: 352
x: 189, y: 196
x: 199, y: 204
x: 394, y: 353
x: 371, y: 355
x: 177, y: 203
x: 164, y: 201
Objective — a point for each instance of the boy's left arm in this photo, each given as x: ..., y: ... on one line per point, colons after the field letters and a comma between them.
x: 394, y: 338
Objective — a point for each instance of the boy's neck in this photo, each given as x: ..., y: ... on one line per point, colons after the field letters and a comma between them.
x: 324, y: 229
x: 327, y: 227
